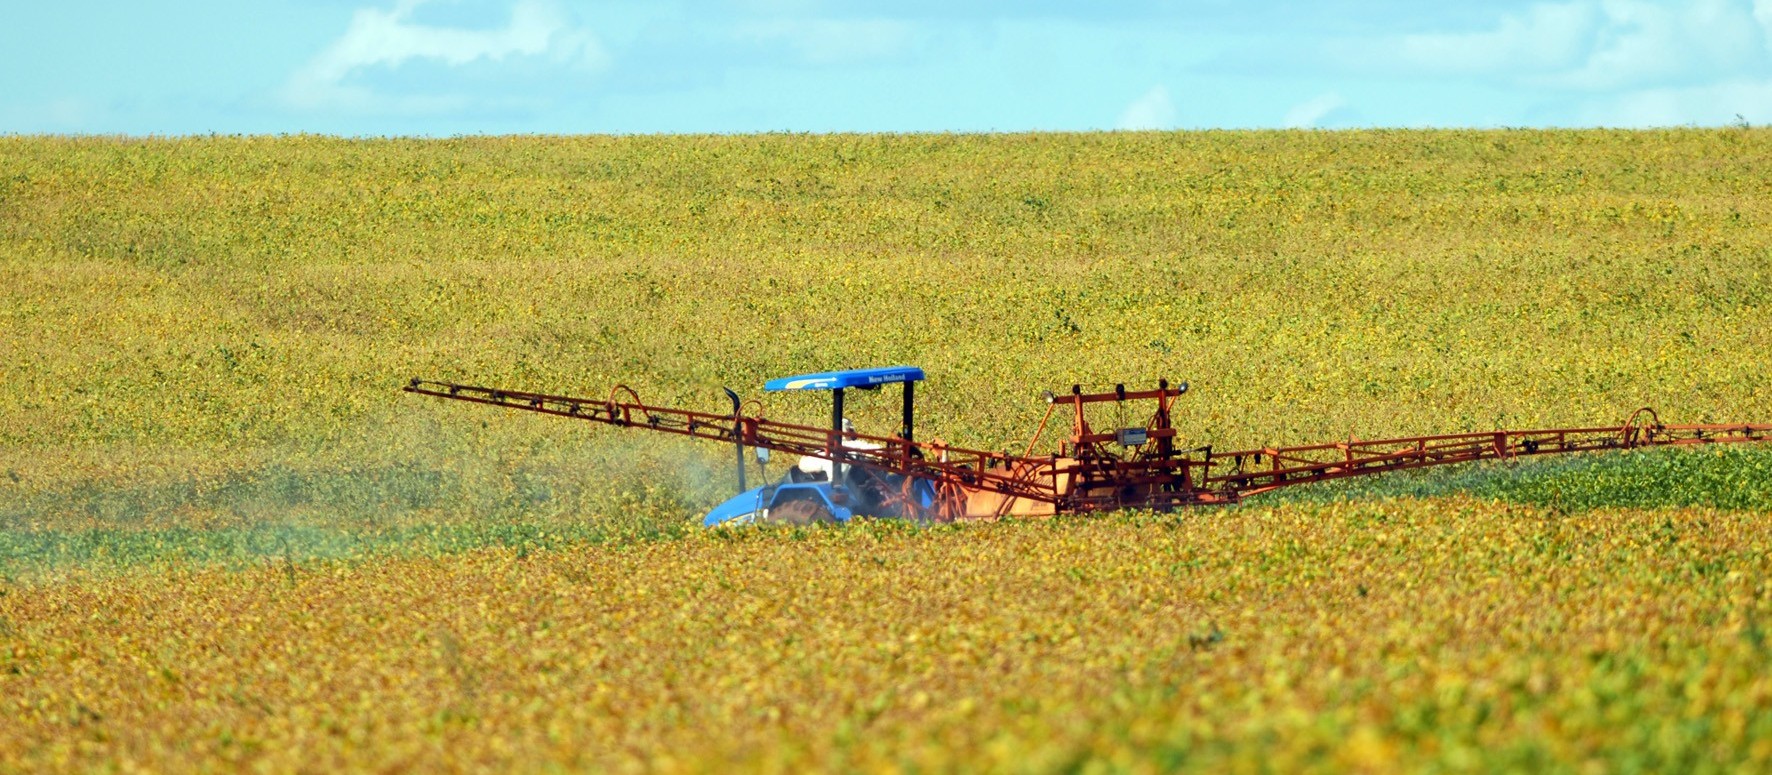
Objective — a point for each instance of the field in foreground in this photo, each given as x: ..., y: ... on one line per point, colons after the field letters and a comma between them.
x: 226, y: 540
x: 1449, y: 635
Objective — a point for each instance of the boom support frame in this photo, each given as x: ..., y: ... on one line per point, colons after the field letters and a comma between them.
x: 1137, y: 467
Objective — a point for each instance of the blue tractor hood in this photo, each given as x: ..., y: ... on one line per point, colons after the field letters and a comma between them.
x: 740, y: 509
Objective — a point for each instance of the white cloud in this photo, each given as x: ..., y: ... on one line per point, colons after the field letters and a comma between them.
x: 1546, y: 37
x: 833, y: 41
x: 1712, y: 105
x: 1646, y: 45
x: 1311, y: 112
x: 62, y: 114
x: 1610, y: 62
x: 1589, y: 45
x: 378, y: 39
x: 1153, y: 110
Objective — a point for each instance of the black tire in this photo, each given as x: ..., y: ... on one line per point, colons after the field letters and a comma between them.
x: 800, y: 511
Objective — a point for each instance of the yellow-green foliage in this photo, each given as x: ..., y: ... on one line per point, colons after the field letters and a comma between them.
x: 227, y: 541
x: 201, y: 302
x: 1447, y: 635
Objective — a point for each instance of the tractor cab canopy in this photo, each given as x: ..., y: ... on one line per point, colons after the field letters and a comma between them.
x: 853, y: 378
x: 863, y: 379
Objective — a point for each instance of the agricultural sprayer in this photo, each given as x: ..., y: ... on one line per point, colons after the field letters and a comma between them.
x: 842, y: 474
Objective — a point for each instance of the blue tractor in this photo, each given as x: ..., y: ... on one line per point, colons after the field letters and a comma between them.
x: 820, y: 490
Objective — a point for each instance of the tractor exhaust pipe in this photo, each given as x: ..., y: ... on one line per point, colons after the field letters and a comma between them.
x: 737, y: 436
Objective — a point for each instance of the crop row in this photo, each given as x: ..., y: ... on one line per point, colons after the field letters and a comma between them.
x: 1451, y: 635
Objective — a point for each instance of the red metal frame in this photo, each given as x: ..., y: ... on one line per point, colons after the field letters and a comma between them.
x: 1093, y: 471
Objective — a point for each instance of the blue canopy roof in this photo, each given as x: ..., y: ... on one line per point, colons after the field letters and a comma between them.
x: 833, y: 380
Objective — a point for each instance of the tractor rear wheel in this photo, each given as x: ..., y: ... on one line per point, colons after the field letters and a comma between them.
x: 800, y: 511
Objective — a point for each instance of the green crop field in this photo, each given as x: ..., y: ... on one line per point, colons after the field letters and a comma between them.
x: 227, y: 540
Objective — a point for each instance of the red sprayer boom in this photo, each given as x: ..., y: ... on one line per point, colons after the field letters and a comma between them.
x: 1138, y: 466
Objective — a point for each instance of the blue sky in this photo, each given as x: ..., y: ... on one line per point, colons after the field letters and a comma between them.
x: 442, y: 67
